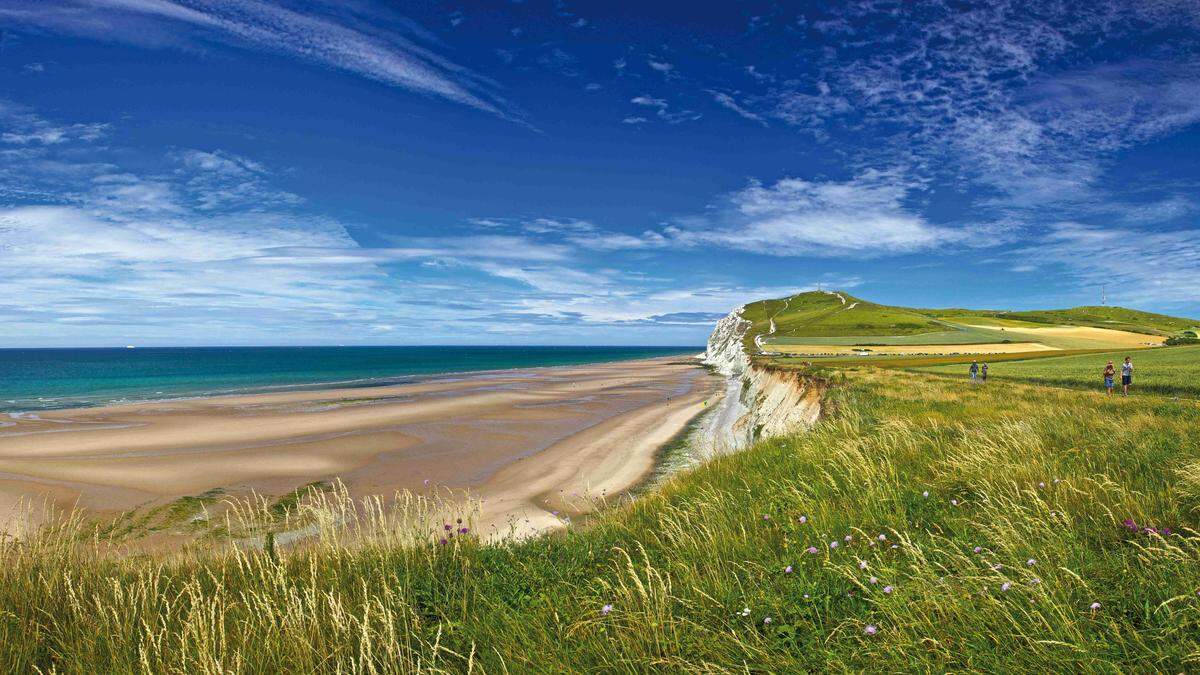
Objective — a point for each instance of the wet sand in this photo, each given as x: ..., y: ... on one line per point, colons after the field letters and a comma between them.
x: 527, y: 442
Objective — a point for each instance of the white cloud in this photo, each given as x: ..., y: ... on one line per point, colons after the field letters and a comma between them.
x: 864, y: 216
x: 1136, y: 266
x: 729, y: 102
x: 392, y: 60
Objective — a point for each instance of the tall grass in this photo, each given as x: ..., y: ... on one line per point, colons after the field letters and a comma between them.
x: 693, y: 571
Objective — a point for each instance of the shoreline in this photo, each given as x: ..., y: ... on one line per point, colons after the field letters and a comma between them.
x: 523, y: 440
x: 81, y: 403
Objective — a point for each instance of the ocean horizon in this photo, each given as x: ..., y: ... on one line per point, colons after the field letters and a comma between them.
x: 40, y: 379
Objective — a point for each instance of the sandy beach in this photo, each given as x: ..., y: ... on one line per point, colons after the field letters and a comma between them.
x: 528, y: 442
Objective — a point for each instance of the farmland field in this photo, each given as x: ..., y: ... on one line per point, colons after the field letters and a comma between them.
x: 1166, y: 370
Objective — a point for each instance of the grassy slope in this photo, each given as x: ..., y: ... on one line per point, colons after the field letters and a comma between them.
x: 1117, y: 318
x: 1171, y: 371
x: 679, y: 566
x: 818, y: 314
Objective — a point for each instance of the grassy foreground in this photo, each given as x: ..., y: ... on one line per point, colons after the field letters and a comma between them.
x: 1169, y: 371
x: 924, y: 525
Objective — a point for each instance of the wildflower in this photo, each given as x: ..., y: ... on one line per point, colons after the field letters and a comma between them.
x: 458, y: 521
x: 1031, y: 562
x: 443, y: 542
x: 953, y: 502
x: 1056, y: 481
x: 1094, y: 606
x: 833, y: 544
x: 766, y: 517
x: 787, y: 570
x: 895, y: 545
x: 446, y: 527
x: 606, y: 609
x: 766, y: 620
x: 1035, y: 581
x: 848, y: 539
x: 925, y: 494
x: 812, y: 549
x: 979, y: 549
x: 464, y: 530
x: 882, y: 537
x: 1130, y: 524
x: 1041, y: 486
x: 862, y: 564
x: 806, y: 596
x: 745, y: 611
x: 1005, y: 586
x: 997, y: 567
x: 874, y: 580
x: 870, y: 629
x: 426, y: 481
x: 803, y: 519
x: 888, y: 589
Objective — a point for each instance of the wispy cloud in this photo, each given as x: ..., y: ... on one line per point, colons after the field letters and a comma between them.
x: 389, y: 58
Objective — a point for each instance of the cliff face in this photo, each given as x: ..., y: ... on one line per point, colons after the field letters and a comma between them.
x: 758, y: 402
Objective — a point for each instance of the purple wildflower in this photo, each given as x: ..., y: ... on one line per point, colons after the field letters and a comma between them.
x: 606, y: 609
x: 862, y: 564
x: 443, y: 542
x: 1005, y: 586
x: 1035, y: 581
x: 1031, y: 562
x: 979, y: 549
x: 1094, y: 606
x: 446, y: 527
x: 766, y: 517
x: 803, y: 519
x: 464, y: 530
x: 787, y: 570
x: 888, y: 589
x: 882, y: 537
x: 766, y: 620
x: 812, y: 549
x: 848, y: 539
x: 925, y: 494
x: 1041, y: 486
x: 873, y: 580
x: 870, y: 629
x: 833, y: 544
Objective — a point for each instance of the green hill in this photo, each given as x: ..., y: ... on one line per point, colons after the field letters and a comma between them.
x: 1116, y: 318
x: 832, y: 314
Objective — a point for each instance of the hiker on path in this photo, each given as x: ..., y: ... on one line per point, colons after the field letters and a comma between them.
x: 1126, y: 375
x: 983, y: 372
x: 974, y: 371
x: 1110, y: 371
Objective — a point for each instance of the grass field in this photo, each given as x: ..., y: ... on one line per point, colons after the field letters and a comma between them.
x: 817, y: 323
x: 878, y: 350
x: 924, y: 527
x: 1173, y: 371
x: 1116, y: 318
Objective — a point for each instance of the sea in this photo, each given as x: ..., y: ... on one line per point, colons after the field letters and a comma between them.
x: 47, y: 379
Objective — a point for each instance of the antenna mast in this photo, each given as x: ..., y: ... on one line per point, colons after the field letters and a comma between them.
x: 1104, y: 294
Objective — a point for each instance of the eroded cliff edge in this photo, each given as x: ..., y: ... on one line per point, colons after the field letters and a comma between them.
x: 759, y: 401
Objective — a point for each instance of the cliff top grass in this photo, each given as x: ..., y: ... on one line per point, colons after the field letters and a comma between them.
x: 923, y: 525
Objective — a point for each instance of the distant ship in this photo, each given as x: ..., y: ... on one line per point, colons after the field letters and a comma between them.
x: 130, y: 347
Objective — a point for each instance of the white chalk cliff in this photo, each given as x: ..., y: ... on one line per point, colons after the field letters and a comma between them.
x: 759, y: 402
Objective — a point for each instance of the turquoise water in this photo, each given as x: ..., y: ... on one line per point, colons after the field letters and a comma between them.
x: 46, y: 379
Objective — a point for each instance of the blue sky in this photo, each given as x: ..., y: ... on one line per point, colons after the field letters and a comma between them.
x: 540, y: 172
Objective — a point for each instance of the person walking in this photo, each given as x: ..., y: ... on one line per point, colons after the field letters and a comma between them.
x: 983, y: 372
x: 1126, y: 376
x: 974, y: 371
x: 1110, y: 371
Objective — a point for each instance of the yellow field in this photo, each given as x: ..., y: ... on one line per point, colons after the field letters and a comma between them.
x: 1080, y: 337
x: 940, y: 350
